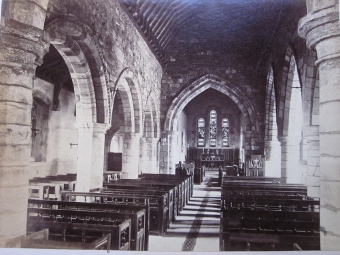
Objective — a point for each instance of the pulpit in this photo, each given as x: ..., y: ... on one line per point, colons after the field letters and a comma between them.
x: 255, y: 165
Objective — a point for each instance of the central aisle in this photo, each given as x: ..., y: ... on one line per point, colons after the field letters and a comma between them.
x: 197, y: 226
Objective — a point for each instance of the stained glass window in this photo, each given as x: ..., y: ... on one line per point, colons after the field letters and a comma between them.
x: 213, y: 128
x: 225, y: 132
x: 201, y: 132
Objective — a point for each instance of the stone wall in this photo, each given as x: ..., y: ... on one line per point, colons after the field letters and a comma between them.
x: 122, y: 45
x: 62, y: 136
x: 181, y: 70
x: 118, y: 59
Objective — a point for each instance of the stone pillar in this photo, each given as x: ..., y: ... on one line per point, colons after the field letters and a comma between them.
x: 173, y: 151
x: 311, y: 134
x: 164, y: 155
x: 273, y: 158
x: 155, y: 155
x: 131, y: 151
x: 98, y: 157
x: 321, y: 29
x: 84, y: 163
x: 22, y: 46
x: 150, y: 156
x: 143, y: 158
x: 291, y: 171
x: 247, y: 140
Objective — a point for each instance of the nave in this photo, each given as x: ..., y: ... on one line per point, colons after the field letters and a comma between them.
x: 197, y: 226
x: 92, y: 89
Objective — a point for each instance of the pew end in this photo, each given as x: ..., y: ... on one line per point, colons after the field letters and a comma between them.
x: 40, y: 240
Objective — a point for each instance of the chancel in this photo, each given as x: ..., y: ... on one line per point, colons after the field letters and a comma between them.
x: 208, y: 125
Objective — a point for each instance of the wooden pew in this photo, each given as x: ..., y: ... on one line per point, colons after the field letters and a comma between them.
x: 176, y: 189
x: 272, y: 202
x: 182, y: 186
x: 185, y: 184
x: 271, y: 226
x: 188, y: 181
x: 198, y: 175
x: 157, y: 203
x: 139, y: 215
x: 50, y: 187
x: 39, y: 240
x: 261, y: 186
x: 81, y: 226
x: 254, y: 178
x: 136, y: 191
x: 259, y: 212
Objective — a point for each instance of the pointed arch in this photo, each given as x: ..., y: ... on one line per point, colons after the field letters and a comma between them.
x: 285, y: 91
x: 271, y: 122
x: 219, y: 84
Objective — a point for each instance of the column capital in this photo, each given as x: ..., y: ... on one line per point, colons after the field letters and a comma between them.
x: 269, y: 144
x: 312, y: 26
x: 289, y: 140
x: 283, y: 139
x: 151, y: 139
x: 22, y: 29
x: 100, y: 127
x: 169, y: 133
x: 321, y: 24
x: 129, y: 135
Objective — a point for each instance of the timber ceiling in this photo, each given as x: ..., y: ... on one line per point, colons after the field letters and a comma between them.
x: 246, y: 26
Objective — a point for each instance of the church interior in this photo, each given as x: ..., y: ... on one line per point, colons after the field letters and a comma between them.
x: 170, y: 125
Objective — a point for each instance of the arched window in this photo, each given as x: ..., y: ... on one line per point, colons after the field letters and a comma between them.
x: 201, y: 132
x: 213, y: 128
x: 225, y: 132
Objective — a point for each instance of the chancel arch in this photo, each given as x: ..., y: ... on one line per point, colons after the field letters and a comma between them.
x: 202, y: 84
x: 249, y: 118
x: 158, y: 83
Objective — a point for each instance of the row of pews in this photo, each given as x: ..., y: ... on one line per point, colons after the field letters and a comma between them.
x: 261, y: 213
x: 50, y: 187
x: 120, y: 216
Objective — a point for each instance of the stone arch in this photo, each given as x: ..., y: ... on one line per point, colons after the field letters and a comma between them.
x: 219, y: 84
x: 285, y: 91
x: 84, y: 58
x: 272, y: 145
x: 270, y: 105
x: 129, y: 91
x: 148, y: 122
x: 309, y: 80
x: 292, y: 166
x: 155, y: 117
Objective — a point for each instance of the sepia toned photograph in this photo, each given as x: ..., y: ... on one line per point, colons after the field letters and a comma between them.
x: 162, y: 126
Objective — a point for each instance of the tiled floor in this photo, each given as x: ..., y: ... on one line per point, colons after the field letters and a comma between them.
x: 197, y: 226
